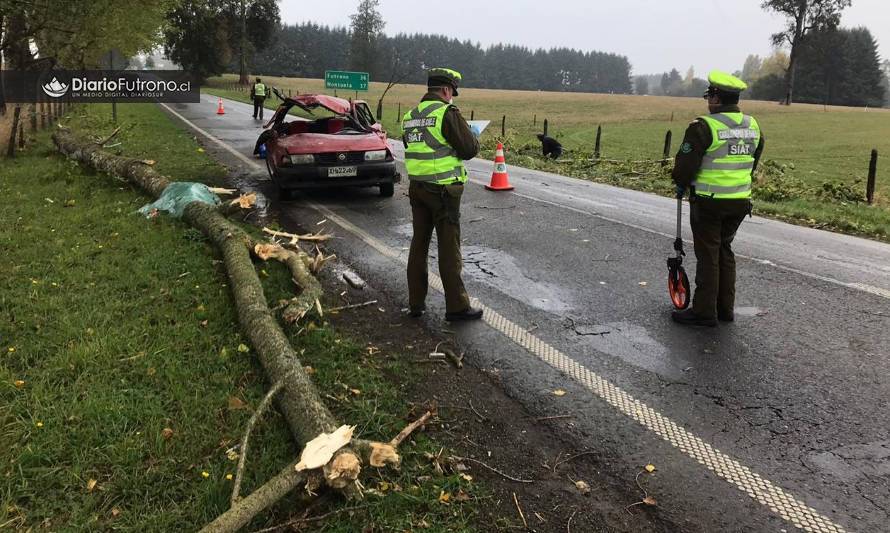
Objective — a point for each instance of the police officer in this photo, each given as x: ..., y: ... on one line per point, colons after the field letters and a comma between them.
x: 437, y: 139
x: 719, y: 154
x: 258, y: 95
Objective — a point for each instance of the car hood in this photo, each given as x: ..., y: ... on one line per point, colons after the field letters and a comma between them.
x: 314, y: 143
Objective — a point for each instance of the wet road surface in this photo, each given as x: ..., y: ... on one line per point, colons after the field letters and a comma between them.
x: 777, y: 421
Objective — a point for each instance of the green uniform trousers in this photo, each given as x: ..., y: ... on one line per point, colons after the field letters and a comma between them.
x: 714, y: 225
x: 436, y: 207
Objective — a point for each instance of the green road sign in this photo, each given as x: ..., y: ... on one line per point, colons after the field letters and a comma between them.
x: 353, y: 81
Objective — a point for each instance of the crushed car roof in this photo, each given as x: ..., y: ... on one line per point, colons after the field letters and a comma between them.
x: 340, y: 106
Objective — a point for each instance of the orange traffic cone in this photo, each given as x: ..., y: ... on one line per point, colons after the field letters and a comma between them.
x: 500, y: 181
x: 219, y: 108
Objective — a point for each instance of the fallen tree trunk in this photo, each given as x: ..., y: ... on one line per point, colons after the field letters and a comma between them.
x: 299, y: 400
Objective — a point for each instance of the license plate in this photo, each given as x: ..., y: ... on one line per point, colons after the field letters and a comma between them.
x: 342, y: 172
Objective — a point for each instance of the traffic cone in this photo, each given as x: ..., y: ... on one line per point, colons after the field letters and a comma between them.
x: 500, y: 181
x: 219, y: 108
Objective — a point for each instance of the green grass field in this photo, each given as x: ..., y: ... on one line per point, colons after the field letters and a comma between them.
x: 114, y: 328
x: 820, y: 154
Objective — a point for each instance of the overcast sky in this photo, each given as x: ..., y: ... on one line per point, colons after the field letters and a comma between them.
x: 655, y: 35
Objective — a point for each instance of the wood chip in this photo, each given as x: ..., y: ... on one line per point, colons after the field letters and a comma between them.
x: 320, y: 450
x: 354, y: 280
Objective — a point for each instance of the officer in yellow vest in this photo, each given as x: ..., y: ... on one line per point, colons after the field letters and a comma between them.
x: 437, y: 140
x: 716, y: 161
x: 258, y: 96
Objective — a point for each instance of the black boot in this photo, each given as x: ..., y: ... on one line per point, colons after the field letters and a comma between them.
x: 689, y: 318
x: 471, y: 313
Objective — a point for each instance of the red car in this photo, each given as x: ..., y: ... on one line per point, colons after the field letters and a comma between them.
x: 344, y: 146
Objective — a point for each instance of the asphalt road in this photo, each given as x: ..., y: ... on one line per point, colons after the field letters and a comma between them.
x: 778, y: 421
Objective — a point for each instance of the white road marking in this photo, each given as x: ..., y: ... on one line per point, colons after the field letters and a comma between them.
x: 776, y: 499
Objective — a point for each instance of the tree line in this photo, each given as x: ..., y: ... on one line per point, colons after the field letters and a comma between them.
x: 836, y: 66
x: 307, y: 50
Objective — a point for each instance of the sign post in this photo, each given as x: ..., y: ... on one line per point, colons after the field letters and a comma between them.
x: 351, y: 81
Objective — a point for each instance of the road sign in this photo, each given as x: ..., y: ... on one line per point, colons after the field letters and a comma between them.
x: 340, y: 79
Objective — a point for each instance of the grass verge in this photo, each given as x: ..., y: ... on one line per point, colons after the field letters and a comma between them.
x: 124, y: 380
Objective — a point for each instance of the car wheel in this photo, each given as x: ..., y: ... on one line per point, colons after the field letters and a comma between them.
x: 387, y: 190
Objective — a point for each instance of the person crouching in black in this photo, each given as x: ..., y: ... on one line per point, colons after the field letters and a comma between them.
x: 550, y: 146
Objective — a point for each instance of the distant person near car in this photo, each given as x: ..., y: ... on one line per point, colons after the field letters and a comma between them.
x: 258, y: 97
x: 550, y: 146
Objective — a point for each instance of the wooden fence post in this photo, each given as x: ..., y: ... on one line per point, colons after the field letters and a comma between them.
x: 596, y: 148
x: 42, y: 115
x: 472, y: 114
x: 399, y: 113
x: 22, y: 135
x: 666, y: 153
x: 535, y: 120
x: 10, y: 150
x: 504, y: 126
x: 546, y: 127
x: 872, y: 173
x: 34, y: 117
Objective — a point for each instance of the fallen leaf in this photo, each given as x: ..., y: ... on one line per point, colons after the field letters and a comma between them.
x: 235, y: 403
x: 649, y: 500
x: 232, y: 455
x: 355, y: 391
x: 582, y: 487
x: 466, y: 477
x: 243, y: 348
x: 115, y: 512
x: 204, y: 323
x: 19, y: 384
x: 70, y: 203
x: 91, y: 484
x: 148, y: 162
x: 650, y: 468
x: 383, y: 486
x: 559, y: 392
x: 167, y: 433
x: 461, y: 496
x: 444, y: 497
x: 200, y: 150
x: 151, y: 371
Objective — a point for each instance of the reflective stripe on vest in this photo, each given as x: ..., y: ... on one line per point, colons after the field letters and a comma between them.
x: 428, y: 157
x: 726, y: 168
x: 259, y: 89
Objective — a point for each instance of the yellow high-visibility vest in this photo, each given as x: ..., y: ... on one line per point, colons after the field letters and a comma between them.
x: 428, y: 157
x: 725, y: 172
